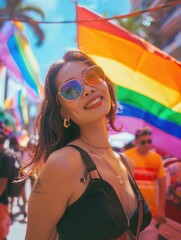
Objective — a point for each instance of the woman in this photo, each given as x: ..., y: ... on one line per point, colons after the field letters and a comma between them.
x: 84, y: 189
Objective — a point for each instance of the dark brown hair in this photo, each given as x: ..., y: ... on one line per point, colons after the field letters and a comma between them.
x: 52, y: 134
x: 142, y: 131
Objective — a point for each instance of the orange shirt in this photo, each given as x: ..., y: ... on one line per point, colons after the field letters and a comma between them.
x: 148, y: 168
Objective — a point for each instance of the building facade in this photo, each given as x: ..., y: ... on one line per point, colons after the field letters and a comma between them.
x: 162, y: 27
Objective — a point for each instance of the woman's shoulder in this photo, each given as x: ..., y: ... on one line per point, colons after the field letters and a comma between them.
x: 61, y: 167
x: 63, y: 158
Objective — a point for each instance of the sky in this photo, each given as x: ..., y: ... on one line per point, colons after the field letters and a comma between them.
x: 61, y: 37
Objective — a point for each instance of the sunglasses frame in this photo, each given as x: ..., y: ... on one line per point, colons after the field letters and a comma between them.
x: 77, y: 80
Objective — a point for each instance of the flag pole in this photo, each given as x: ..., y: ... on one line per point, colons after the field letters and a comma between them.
x: 6, y: 86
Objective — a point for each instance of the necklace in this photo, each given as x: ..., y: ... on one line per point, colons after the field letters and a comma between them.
x: 113, y: 166
x: 110, y: 163
x: 101, y: 147
x: 120, y: 177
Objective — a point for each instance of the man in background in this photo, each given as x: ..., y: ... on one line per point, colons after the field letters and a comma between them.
x: 149, y: 174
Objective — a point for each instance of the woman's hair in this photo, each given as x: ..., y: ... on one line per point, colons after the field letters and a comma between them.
x: 49, y: 122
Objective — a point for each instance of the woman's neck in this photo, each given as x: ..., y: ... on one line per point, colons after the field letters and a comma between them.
x: 95, y: 135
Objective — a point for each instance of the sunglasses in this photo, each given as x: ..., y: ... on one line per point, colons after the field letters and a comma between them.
x: 143, y: 142
x: 72, y: 90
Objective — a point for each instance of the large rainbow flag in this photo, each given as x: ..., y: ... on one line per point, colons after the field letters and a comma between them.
x: 17, y: 56
x: 148, y: 80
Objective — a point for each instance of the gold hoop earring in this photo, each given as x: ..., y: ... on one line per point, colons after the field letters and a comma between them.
x: 66, y: 122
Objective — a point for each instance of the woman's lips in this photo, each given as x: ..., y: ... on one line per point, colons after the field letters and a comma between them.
x: 96, y: 102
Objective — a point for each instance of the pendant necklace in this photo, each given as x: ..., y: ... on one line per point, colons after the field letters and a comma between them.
x: 110, y: 163
x: 120, y: 177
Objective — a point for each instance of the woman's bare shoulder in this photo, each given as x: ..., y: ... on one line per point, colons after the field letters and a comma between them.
x: 60, y: 168
x: 63, y: 159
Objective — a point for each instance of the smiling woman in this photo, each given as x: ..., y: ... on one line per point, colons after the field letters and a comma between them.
x: 85, y: 189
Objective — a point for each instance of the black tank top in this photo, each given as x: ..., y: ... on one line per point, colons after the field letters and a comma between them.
x: 98, y: 214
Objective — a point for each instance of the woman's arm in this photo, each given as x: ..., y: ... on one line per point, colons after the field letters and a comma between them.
x: 49, y: 197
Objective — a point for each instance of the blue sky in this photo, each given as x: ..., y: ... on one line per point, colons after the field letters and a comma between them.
x: 61, y: 37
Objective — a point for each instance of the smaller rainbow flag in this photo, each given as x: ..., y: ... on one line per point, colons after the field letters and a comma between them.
x: 7, y: 122
x: 18, y: 104
x: 17, y: 56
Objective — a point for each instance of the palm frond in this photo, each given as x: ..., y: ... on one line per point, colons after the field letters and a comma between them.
x: 30, y: 8
x: 35, y: 27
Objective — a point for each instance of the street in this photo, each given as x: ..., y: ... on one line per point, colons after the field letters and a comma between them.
x: 18, y: 226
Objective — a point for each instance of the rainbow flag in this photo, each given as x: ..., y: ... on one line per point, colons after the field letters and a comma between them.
x: 17, y: 56
x: 148, y: 80
x: 18, y: 105
x: 22, y: 137
x: 7, y: 122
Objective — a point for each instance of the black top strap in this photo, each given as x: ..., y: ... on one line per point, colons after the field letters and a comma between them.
x: 86, y: 158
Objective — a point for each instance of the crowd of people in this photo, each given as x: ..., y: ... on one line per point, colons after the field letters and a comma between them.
x: 12, y: 158
x: 86, y: 190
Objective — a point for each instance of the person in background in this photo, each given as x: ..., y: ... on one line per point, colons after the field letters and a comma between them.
x: 26, y: 159
x: 148, y: 171
x: 5, y: 174
x: 85, y: 189
x: 16, y: 189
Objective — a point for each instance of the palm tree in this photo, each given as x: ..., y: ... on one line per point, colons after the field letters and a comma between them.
x: 130, y: 24
x: 137, y: 26
x: 16, y: 9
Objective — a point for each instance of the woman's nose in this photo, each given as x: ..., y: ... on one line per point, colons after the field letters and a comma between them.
x: 87, y: 90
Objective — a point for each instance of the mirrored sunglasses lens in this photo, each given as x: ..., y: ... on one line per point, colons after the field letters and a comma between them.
x: 94, y: 76
x: 71, y: 90
x: 142, y: 142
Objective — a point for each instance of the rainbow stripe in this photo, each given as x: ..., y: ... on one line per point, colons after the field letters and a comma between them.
x: 17, y: 56
x: 18, y: 104
x: 147, y: 79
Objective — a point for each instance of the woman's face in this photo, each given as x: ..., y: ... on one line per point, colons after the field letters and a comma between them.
x: 93, y: 103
